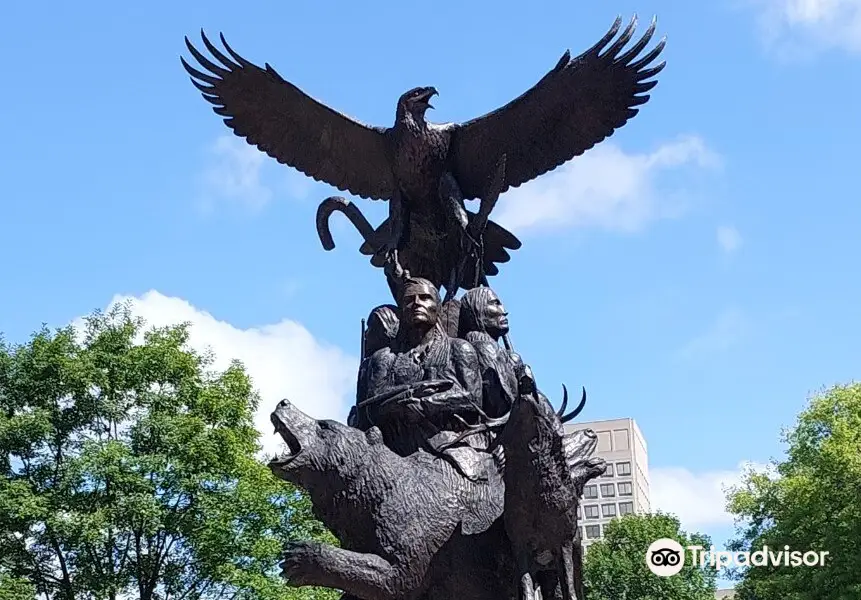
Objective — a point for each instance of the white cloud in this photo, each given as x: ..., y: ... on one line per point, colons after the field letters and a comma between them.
x: 606, y: 188
x: 729, y: 239
x: 235, y: 173
x: 697, y: 499
x: 240, y: 173
x: 796, y: 28
x: 729, y: 328
x: 284, y: 359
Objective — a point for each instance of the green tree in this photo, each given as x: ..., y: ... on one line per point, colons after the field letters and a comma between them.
x: 15, y: 588
x: 129, y: 469
x: 810, y: 501
x: 615, y: 567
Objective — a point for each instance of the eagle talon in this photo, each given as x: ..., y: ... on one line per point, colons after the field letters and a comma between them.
x: 391, y: 264
x: 392, y: 256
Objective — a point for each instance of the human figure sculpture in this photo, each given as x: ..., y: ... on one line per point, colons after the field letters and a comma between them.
x: 419, y: 386
x: 422, y: 389
x: 425, y: 378
x: 382, y: 329
x: 483, y: 322
x: 381, y: 332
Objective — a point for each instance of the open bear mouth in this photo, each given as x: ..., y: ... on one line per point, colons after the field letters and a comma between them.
x: 293, y: 445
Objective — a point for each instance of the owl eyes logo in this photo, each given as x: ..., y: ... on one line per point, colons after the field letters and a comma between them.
x: 665, y: 557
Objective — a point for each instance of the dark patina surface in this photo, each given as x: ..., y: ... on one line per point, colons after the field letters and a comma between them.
x: 427, y: 171
x: 454, y: 477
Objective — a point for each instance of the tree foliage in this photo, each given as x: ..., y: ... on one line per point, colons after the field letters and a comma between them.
x: 811, y: 501
x: 615, y: 567
x: 129, y: 469
x: 15, y: 588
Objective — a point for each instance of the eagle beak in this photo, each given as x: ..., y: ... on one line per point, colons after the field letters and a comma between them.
x: 430, y: 93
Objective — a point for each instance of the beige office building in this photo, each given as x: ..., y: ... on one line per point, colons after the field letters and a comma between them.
x: 624, y: 488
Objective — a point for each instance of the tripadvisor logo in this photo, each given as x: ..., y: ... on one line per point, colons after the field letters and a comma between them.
x: 666, y: 557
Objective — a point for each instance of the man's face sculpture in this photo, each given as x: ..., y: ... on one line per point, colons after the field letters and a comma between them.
x: 420, y: 304
x: 495, y: 318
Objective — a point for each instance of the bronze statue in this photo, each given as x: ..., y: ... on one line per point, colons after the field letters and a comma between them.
x: 454, y: 477
x: 381, y: 332
x: 483, y: 322
x: 417, y: 386
x: 426, y: 171
x: 442, y: 260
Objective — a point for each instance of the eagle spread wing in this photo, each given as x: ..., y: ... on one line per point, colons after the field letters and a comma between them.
x: 574, y: 107
x: 293, y: 128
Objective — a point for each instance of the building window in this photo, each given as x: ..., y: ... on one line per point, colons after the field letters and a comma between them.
x: 620, y: 439
x: 609, y: 471
x: 593, y: 532
x: 608, y: 510
x: 591, y: 511
x: 626, y: 508
x: 626, y: 489
x: 623, y: 468
x: 590, y: 492
x: 604, y: 443
x: 608, y: 490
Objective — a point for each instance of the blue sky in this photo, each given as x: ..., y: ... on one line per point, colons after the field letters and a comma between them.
x: 695, y: 271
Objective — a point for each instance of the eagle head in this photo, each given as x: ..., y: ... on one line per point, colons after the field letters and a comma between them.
x: 416, y: 101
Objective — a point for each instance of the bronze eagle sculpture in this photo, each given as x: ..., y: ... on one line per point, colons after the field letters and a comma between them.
x: 426, y: 171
